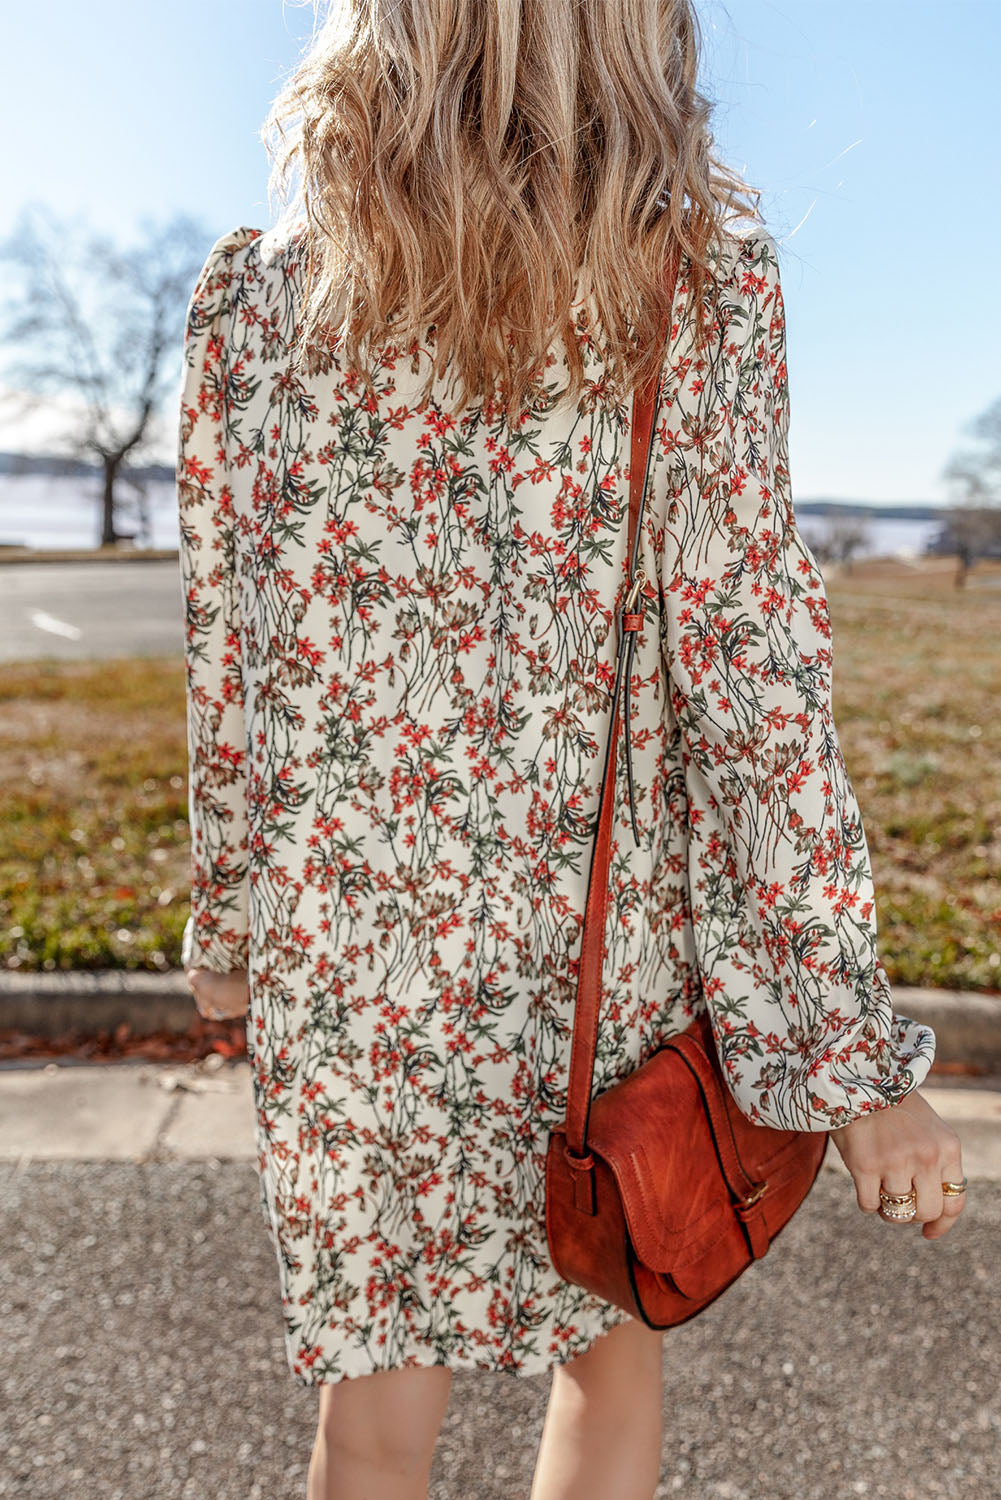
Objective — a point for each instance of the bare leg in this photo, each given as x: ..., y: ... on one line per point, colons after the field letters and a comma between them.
x: 604, y: 1424
x: 376, y: 1435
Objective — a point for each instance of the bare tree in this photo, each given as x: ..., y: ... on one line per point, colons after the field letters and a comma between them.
x: 97, y: 330
x: 839, y: 539
x: 973, y: 526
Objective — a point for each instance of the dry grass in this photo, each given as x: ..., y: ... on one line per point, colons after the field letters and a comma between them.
x: 93, y: 843
x: 94, y: 837
x: 917, y: 679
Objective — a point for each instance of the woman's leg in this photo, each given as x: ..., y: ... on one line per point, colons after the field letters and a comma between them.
x: 376, y: 1435
x: 604, y: 1424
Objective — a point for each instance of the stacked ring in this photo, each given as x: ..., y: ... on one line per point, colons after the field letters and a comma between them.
x: 900, y: 1206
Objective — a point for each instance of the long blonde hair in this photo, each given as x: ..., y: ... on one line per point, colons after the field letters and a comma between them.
x: 481, y: 165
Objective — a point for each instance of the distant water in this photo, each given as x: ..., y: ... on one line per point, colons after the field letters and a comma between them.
x: 41, y: 510
x: 37, y: 510
x: 884, y: 538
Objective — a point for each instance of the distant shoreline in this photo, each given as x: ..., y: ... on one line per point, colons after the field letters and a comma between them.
x: 872, y: 510
x: 15, y: 466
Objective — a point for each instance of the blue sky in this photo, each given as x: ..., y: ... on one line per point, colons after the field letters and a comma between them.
x: 872, y: 127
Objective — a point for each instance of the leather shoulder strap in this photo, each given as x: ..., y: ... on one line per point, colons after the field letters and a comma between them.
x: 592, y: 955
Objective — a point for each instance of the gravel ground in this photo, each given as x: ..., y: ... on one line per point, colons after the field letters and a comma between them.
x: 143, y: 1356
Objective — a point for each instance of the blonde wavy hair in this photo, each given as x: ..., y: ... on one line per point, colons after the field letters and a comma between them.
x: 486, y: 166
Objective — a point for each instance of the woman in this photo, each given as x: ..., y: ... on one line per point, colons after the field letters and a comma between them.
x: 402, y: 473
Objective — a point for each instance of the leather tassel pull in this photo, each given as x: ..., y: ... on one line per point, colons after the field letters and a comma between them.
x: 583, y: 1182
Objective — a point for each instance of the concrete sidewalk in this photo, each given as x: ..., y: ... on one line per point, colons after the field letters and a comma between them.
x: 203, y: 1111
x: 131, y: 1112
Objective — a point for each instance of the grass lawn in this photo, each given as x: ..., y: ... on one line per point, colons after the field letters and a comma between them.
x: 917, y: 681
x: 94, y: 837
x: 94, y: 847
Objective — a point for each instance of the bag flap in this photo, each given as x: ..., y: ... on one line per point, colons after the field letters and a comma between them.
x: 652, y: 1130
x: 681, y: 1150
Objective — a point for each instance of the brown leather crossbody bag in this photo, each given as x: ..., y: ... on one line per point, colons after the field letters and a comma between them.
x: 659, y: 1192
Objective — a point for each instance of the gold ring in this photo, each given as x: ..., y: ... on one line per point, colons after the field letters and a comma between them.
x: 900, y: 1208
x: 953, y: 1189
x: 901, y: 1212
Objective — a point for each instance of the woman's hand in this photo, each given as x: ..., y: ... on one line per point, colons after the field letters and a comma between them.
x: 219, y: 996
x: 903, y: 1146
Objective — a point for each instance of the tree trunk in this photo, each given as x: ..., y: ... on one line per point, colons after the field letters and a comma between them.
x: 108, y: 535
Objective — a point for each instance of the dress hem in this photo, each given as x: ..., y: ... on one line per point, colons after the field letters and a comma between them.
x: 422, y: 1358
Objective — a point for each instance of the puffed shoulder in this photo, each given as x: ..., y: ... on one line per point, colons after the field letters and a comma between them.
x: 227, y: 246
x: 212, y: 291
x: 743, y: 245
x: 209, y: 292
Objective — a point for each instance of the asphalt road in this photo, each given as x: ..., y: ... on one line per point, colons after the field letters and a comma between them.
x: 87, y: 610
x: 143, y: 1356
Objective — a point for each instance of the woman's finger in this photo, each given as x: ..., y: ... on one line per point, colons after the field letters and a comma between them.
x: 928, y: 1186
x: 867, y: 1190
x: 950, y: 1170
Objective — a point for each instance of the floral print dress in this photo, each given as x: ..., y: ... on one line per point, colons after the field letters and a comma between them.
x: 399, y: 648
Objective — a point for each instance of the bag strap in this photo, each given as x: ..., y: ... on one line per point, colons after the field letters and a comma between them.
x: 646, y: 404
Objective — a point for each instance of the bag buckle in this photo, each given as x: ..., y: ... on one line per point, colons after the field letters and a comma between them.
x: 634, y: 591
x: 759, y: 1189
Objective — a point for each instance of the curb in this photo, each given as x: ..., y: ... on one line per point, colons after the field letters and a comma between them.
x: 967, y: 1023
x: 89, y: 1001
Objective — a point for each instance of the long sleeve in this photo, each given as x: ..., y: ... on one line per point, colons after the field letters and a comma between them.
x: 216, y: 931
x: 779, y: 871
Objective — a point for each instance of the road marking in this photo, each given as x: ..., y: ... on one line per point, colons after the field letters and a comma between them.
x: 42, y: 621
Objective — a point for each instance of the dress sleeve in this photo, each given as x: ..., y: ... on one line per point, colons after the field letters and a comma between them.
x: 216, y: 932
x: 779, y: 872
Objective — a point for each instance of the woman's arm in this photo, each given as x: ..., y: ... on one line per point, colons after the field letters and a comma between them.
x: 216, y: 933
x: 780, y: 881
